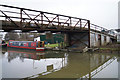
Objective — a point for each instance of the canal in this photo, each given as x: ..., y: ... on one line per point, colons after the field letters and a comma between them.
x: 55, y: 64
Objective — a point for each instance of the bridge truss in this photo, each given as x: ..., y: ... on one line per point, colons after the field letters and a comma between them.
x: 15, y: 18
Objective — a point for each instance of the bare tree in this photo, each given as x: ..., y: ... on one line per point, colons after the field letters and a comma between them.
x: 11, y: 36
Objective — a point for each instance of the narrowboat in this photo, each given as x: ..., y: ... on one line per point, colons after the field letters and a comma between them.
x: 33, y: 45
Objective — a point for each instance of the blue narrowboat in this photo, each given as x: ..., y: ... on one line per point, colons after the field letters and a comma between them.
x: 35, y: 45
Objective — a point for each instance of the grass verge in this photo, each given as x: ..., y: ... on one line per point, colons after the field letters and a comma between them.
x: 51, y: 45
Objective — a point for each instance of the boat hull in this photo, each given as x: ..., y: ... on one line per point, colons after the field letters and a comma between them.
x: 25, y: 45
x: 28, y: 48
x: 40, y: 49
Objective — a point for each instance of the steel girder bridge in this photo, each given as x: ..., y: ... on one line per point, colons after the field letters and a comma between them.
x: 16, y: 18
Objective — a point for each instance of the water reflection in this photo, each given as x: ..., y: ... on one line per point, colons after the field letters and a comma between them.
x: 23, y: 64
x: 119, y: 68
x: 51, y: 64
x: 24, y: 55
x: 104, y: 67
x: 0, y: 63
x: 88, y: 66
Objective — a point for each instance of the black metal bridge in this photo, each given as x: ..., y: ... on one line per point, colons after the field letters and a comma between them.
x: 16, y: 18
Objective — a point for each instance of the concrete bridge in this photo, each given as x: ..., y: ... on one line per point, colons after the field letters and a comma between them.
x: 78, y: 32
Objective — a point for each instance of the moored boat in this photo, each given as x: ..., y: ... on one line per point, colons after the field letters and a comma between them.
x: 33, y: 45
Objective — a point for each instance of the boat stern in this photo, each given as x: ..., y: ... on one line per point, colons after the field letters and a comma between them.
x: 40, y: 49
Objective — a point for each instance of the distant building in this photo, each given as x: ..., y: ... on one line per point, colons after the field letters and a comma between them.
x: 37, y: 39
x: 52, y: 38
x: 1, y: 37
x: 118, y: 36
x: 112, y: 32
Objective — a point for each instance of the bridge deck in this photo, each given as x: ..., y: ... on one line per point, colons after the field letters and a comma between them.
x: 8, y: 26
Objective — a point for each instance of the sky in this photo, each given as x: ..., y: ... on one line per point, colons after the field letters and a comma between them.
x: 119, y: 15
x: 100, y: 12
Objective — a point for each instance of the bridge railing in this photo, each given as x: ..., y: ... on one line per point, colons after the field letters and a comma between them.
x: 97, y: 28
x: 28, y: 18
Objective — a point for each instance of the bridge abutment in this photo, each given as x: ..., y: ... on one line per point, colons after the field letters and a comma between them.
x: 77, y: 40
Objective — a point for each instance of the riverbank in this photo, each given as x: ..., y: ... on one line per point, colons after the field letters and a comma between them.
x: 110, y: 48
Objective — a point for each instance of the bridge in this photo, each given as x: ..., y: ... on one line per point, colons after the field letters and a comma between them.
x: 76, y: 29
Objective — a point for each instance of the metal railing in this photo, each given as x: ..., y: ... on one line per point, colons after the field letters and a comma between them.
x: 22, y: 18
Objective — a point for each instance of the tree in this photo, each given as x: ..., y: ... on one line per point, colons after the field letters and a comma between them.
x: 11, y: 36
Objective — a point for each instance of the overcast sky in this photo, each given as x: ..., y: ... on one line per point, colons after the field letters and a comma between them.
x: 100, y: 12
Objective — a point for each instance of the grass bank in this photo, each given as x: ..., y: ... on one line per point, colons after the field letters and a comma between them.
x: 111, y: 48
x: 52, y: 45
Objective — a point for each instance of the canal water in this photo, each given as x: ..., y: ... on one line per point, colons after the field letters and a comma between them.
x: 55, y: 64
